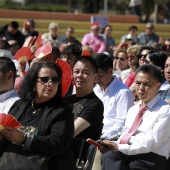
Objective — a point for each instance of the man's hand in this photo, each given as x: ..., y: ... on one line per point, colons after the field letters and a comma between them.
x: 112, y: 146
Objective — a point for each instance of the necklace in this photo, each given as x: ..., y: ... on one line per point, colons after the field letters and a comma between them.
x: 35, y: 110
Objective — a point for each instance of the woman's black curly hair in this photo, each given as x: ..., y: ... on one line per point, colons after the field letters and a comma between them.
x: 26, y: 90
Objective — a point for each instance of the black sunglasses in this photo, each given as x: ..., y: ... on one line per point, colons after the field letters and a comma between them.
x: 117, y: 58
x: 141, y: 55
x: 54, y: 80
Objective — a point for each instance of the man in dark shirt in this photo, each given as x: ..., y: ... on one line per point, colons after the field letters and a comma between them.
x: 11, y: 32
x: 87, y: 107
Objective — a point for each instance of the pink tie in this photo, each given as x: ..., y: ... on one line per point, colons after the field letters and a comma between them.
x: 136, y: 123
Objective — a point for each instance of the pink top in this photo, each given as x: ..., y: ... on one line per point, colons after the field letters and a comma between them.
x: 130, y: 79
x: 95, y: 42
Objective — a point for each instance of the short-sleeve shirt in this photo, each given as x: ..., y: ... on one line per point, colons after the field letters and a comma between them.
x: 91, y: 109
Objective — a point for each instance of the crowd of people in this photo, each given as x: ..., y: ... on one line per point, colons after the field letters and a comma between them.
x: 123, y: 88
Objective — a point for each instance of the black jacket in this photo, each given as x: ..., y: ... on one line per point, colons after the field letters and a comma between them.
x: 56, y: 129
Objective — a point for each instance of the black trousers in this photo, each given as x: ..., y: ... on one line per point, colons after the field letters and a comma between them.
x: 115, y: 160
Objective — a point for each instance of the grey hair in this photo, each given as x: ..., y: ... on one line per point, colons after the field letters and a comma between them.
x: 52, y: 24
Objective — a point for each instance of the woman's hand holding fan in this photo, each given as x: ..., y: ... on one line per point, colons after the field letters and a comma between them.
x: 8, y: 128
x: 8, y: 120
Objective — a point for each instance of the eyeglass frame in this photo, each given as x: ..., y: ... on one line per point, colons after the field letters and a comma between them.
x: 50, y: 79
x: 141, y: 55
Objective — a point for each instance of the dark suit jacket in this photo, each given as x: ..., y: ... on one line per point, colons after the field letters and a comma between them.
x: 56, y: 129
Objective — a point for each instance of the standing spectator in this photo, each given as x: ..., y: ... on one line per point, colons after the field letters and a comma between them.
x: 94, y: 40
x: 52, y: 35
x: 11, y: 32
x: 148, y: 37
x: 135, y: 6
x: 109, y: 40
x: 29, y: 28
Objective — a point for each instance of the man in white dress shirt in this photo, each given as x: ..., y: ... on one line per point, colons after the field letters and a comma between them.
x: 7, y: 78
x: 148, y: 148
x: 116, y: 97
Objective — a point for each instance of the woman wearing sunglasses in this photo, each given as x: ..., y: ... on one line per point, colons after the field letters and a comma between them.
x: 48, y: 125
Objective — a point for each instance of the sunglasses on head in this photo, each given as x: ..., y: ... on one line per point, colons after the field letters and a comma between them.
x: 141, y: 55
x: 54, y: 80
x: 117, y: 58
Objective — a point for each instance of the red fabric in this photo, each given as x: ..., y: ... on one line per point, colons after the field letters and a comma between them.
x: 130, y: 79
x: 136, y: 123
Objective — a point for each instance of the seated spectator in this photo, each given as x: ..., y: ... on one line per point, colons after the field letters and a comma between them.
x: 144, y: 143
x: 109, y: 40
x: 114, y: 95
x: 52, y: 35
x: 165, y: 93
x: 11, y: 32
x: 72, y: 52
x: 94, y: 40
x: 14, y: 46
x: 148, y: 37
x: 143, y: 52
x: 52, y: 57
x: 133, y: 63
x: 68, y: 35
x: 121, y: 62
x: 157, y: 58
x: 47, y: 121
x: 4, y: 45
x: 7, y: 78
x: 87, y: 107
x: 116, y: 98
x: 29, y: 28
x: 166, y: 45
x: 131, y: 35
x: 22, y: 66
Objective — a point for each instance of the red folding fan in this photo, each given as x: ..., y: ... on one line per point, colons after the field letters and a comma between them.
x: 8, y: 120
x: 38, y: 42
x: 66, y: 75
x: 43, y: 51
x: 24, y: 51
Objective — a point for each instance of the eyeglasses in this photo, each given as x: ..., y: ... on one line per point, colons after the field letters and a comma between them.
x: 121, y: 59
x: 141, y: 55
x: 54, y: 80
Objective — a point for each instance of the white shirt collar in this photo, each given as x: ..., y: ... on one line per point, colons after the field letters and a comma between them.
x: 152, y: 102
x: 7, y: 95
